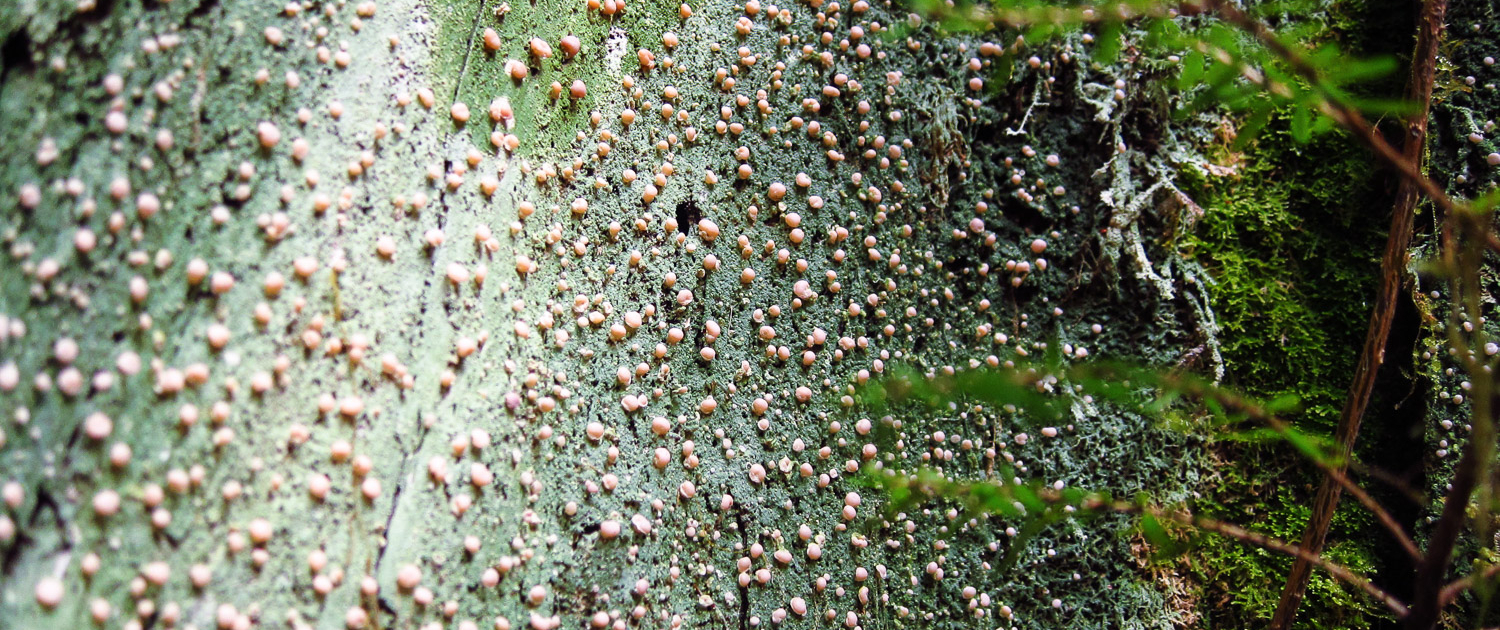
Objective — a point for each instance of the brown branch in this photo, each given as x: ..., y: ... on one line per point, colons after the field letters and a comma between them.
x: 1392, y: 265
x: 1492, y: 241
x: 1343, y: 114
x: 1335, y: 472
x: 1389, y: 480
x: 1302, y: 555
x: 1457, y: 587
x: 1478, y: 454
x: 1381, y: 514
x: 1195, y: 387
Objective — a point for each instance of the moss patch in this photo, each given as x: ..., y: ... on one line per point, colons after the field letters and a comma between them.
x: 1292, y: 236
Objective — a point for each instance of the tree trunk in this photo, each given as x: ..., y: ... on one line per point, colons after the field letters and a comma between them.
x: 386, y: 314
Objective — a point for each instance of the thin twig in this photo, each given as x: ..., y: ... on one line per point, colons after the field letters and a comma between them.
x: 1334, y: 107
x: 1392, y: 267
x: 1391, y: 481
x: 1334, y: 472
x: 1194, y: 387
x: 937, y: 487
x: 1458, y: 586
x: 1492, y: 241
x: 1478, y: 454
x: 1259, y: 540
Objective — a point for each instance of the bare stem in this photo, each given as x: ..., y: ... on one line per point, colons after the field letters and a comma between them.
x: 1456, y: 587
x: 1259, y: 540
x: 1335, y: 471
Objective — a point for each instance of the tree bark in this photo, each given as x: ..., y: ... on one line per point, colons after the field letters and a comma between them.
x: 353, y: 314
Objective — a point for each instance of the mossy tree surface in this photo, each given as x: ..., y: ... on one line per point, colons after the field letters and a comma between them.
x: 360, y: 330
x: 1292, y: 258
x: 1292, y: 239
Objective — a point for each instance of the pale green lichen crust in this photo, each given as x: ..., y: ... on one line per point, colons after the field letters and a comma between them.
x: 387, y: 314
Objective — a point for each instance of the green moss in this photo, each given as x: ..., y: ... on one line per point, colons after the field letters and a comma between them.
x: 1293, y: 245
x: 1292, y: 236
